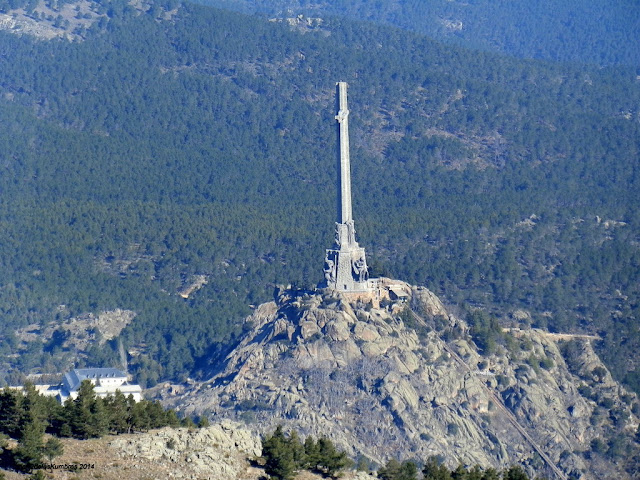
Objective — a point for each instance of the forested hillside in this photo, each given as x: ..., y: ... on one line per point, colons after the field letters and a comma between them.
x: 174, y: 142
x: 597, y: 32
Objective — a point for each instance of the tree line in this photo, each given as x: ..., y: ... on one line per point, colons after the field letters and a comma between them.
x: 284, y: 455
x: 26, y: 416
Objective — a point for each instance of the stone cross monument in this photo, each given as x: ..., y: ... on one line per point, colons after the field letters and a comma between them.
x: 345, y: 265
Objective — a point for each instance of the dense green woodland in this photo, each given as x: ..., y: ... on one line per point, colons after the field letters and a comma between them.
x: 598, y: 31
x: 158, y: 149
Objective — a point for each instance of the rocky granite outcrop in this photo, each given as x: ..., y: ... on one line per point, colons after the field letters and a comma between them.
x: 383, y: 382
x: 216, y: 452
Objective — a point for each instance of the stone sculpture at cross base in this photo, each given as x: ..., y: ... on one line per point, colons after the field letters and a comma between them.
x: 345, y: 267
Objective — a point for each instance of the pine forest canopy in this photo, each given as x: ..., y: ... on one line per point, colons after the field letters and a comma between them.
x: 200, y: 142
x: 598, y: 32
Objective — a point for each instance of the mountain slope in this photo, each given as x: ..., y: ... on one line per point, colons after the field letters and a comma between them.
x: 596, y: 32
x: 175, y: 143
x: 383, y: 382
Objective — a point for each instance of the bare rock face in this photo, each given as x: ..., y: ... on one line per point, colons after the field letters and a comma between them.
x: 382, y: 382
x: 82, y: 331
x: 215, y: 452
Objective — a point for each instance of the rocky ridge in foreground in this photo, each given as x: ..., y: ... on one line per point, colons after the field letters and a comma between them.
x: 225, y: 451
x: 383, y: 382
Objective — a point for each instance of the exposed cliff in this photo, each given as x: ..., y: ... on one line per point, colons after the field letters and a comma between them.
x: 383, y: 382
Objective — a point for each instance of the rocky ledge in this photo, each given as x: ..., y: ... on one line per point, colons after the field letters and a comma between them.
x: 406, y: 380
x: 216, y: 452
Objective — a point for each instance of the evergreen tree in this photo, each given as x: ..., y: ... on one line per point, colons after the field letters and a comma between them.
x: 99, y: 419
x: 52, y: 448
x: 28, y: 453
x: 460, y: 473
x: 434, y: 469
x: 278, y: 456
x: 10, y: 412
x: 390, y: 471
x: 490, y: 474
x: 408, y: 471
x: 118, y: 413
x: 63, y: 424
x: 131, y: 417
x: 34, y: 407
x: 330, y: 460
x: 171, y: 418
x: 203, y: 421
x: 297, y: 449
x: 187, y: 422
x: 155, y: 413
x: 515, y: 472
x: 312, y: 453
x: 86, y: 414
x: 394, y: 470
x: 142, y: 419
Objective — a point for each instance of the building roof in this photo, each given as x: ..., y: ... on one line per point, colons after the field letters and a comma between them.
x: 398, y: 291
x: 75, y: 377
x: 87, y: 373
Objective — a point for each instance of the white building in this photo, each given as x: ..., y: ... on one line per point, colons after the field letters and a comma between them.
x: 106, y: 381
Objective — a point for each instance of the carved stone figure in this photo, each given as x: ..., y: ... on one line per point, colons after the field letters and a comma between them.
x: 360, y: 269
x: 329, y: 270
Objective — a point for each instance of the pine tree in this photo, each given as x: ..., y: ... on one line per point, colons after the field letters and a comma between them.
x: 490, y: 474
x: 408, y: 471
x: 203, y: 421
x: 141, y: 417
x: 297, y: 449
x: 171, y: 419
x: 434, y: 470
x: 63, y: 425
x: 99, y: 419
x: 10, y: 412
x: 312, y: 453
x: 278, y: 456
x: 117, y: 412
x: 515, y: 473
x: 131, y: 417
x: 155, y: 413
x: 476, y: 473
x: 33, y: 407
x: 390, y: 471
x: 86, y: 414
x: 52, y: 448
x: 28, y: 453
x: 331, y: 460
x: 188, y: 423
x: 394, y: 470
x: 79, y: 411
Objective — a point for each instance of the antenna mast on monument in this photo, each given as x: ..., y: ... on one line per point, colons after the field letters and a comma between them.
x: 345, y: 265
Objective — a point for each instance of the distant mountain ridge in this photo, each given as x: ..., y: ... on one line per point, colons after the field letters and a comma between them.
x: 597, y: 32
x: 386, y: 382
